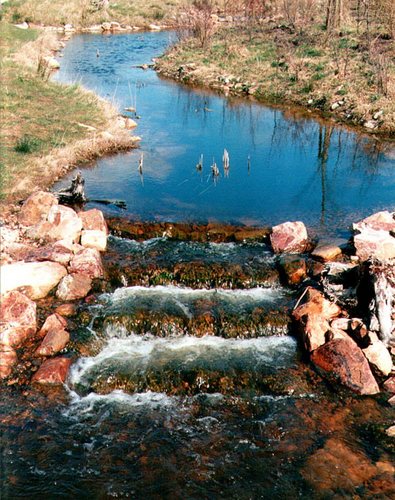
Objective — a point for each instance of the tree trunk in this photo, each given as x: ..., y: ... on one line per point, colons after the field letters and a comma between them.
x: 334, y: 14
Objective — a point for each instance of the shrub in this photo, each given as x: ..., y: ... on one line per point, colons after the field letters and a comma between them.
x: 27, y: 144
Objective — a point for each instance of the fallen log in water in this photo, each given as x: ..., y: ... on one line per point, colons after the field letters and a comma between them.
x: 75, y: 195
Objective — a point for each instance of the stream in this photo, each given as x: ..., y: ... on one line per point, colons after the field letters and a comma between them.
x: 188, y: 381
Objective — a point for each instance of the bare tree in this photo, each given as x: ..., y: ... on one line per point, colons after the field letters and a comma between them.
x: 334, y: 14
x: 197, y: 21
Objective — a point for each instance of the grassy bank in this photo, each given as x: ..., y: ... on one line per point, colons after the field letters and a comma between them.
x: 344, y: 76
x: 46, y: 128
x: 83, y: 13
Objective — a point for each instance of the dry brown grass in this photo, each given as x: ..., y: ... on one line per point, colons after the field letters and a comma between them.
x: 81, y: 14
x: 277, y: 65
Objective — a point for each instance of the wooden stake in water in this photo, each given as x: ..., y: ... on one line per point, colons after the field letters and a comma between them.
x: 133, y: 99
x: 225, y: 161
x: 141, y: 161
x: 214, y: 169
x: 199, y: 165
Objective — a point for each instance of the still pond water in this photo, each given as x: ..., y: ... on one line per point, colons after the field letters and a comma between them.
x: 299, y: 169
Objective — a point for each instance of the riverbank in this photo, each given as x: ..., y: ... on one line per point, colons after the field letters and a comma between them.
x: 340, y: 78
x: 48, y: 128
x: 84, y: 15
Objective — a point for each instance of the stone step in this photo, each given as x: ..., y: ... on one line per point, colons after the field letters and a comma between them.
x: 170, y: 310
x: 186, y: 365
x: 162, y: 261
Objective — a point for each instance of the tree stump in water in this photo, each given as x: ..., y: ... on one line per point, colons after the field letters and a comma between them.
x: 75, y: 193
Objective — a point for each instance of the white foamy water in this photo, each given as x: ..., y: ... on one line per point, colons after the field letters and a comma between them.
x: 223, y: 249
x: 97, y: 405
x: 184, y: 294
x: 133, y: 355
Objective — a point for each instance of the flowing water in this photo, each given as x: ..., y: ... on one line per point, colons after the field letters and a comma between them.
x: 187, y: 381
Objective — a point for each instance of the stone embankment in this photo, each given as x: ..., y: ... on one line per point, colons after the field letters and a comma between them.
x: 344, y: 316
x: 346, y: 348
x: 48, y: 248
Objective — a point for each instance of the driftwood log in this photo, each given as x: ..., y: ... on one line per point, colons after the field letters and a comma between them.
x: 75, y: 195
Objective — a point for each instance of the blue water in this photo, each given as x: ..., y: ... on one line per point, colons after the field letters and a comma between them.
x: 299, y: 169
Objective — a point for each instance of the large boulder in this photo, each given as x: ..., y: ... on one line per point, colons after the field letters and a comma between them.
x: 95, y: 231
x: 8, y: 359
x: 91, y: 238
x: 289, y: 237
x: 292, y: 268
x: 384, y: 221
x: 341, y: 360
x: 378, y: 355
x: 36, y: 208
x: 65, y: 224
x: 93, y: 220
x: 74, y: 286
x: 313, y: 315
x: 88, y: 262
x: 376, y: 244
x: 18, y: 318
x: 56, y: 252
x: 36, y: 279
x: 53, y: 371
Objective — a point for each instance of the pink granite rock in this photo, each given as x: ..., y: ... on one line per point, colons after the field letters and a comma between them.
x: 36, y: 208
x: 378, y: 355
x: 91, y: 238
x: 93, y: 220
x: 74, y: 286
x: 8, y: 359
x: 54, y: 322
x: 379, y: 221
x: 18, y: 318
x: 341, y: 360
x: 289, y: 237
x: 53, y: 371
x: 54, y: 341
x: 65, y: 224
x: 36, y: 279
x: 56, y: 252
x: 379, y: 245
x: 88, y: 262
x: 313, y: 315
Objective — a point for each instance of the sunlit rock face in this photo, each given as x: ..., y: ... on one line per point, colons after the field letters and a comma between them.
x: 289, y: 237
x: 36, y: 279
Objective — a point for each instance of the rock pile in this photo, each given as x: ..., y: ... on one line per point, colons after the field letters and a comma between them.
x: 355, y: 351
x: 51, y: 247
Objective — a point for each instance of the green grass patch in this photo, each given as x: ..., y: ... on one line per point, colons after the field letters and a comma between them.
x: 308, y: 51
x: 36, y: 115
x: 27, y: 144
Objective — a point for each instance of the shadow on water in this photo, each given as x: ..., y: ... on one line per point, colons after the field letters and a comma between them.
x: 283, y: 165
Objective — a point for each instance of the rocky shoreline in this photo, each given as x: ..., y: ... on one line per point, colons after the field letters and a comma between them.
x: 339, y: 110
x: 51, y: 262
